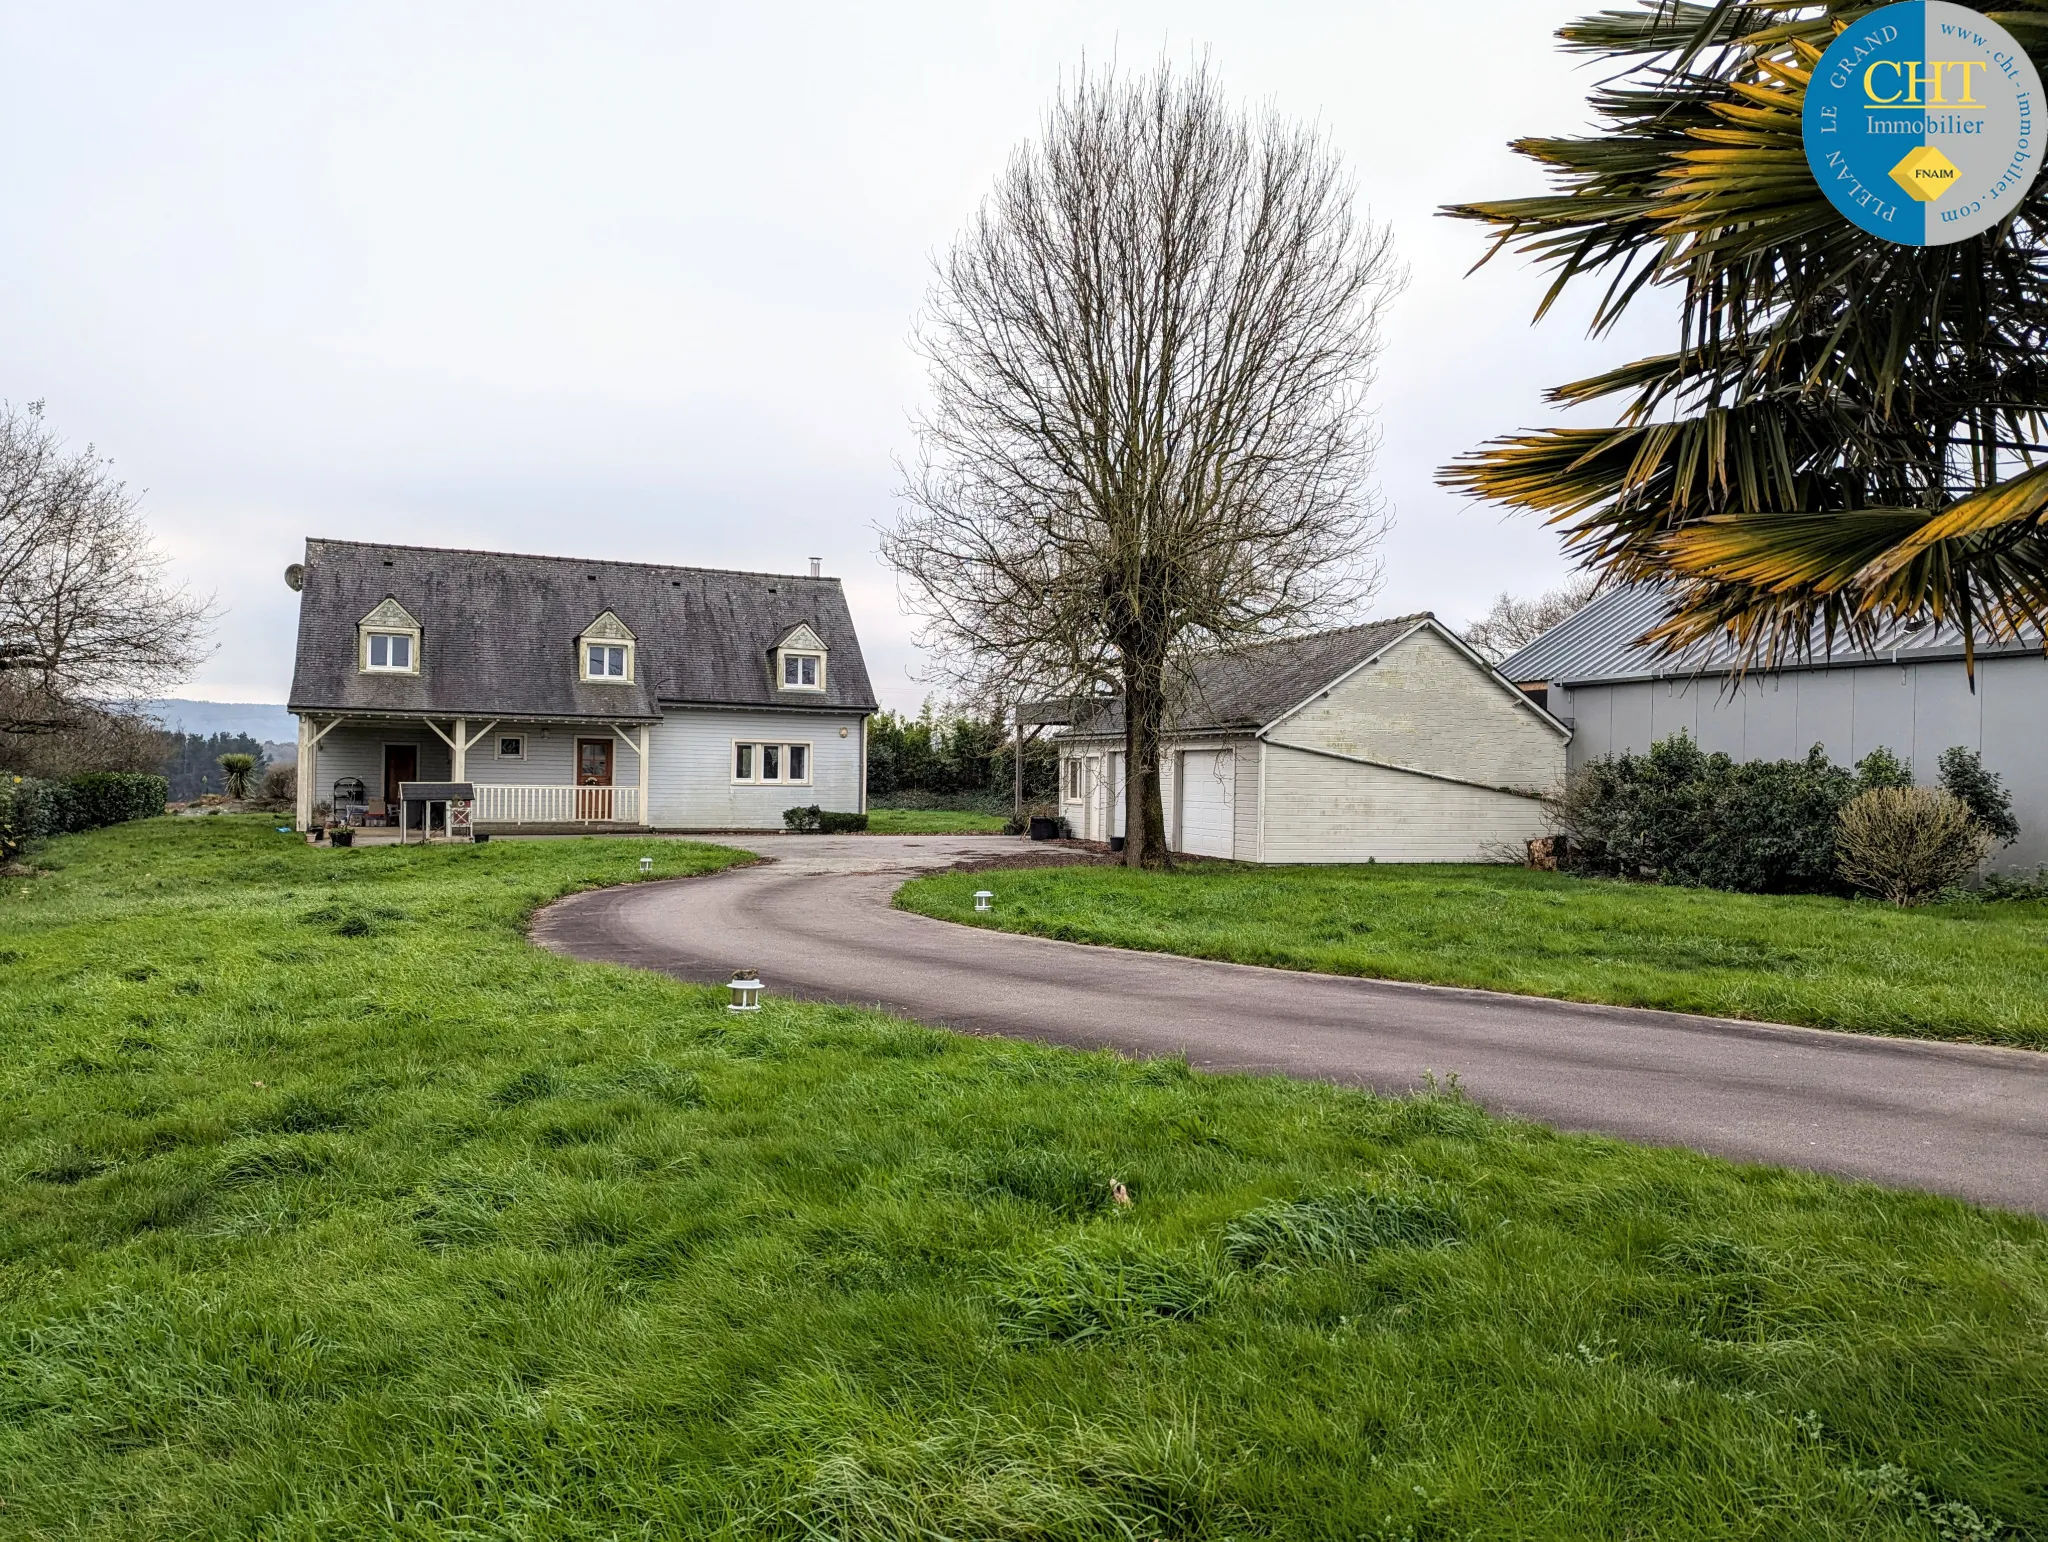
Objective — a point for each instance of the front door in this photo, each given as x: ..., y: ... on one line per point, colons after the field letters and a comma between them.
x: 401, y: 764
x: 593, y: 779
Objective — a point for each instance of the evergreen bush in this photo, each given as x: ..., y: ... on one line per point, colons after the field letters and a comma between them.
x: 1982, y: 792
x: 30, y: 811
x: 1683, y: 816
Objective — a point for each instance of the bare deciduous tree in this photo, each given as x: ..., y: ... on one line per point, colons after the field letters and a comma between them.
x: 87, y: 616
x: 1512, y: 623
x: 1149, y: 354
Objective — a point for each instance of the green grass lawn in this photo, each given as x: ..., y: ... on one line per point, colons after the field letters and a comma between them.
x: 330, y: 1208
x: 932, y: 821
x: 1965, y: 971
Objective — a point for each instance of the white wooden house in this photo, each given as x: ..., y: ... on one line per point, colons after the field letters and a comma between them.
x: 576, y: 695
x: 1390, y: 742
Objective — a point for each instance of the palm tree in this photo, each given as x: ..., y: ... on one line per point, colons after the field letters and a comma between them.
x: 1849, y: 432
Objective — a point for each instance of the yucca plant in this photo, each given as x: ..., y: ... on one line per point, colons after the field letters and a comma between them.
x: 1848, y: 432
x: 235, y: 770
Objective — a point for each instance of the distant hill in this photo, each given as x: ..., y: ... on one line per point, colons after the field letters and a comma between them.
x: 262, y: 720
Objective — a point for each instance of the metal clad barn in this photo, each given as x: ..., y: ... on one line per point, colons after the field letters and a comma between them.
x: 1912, y: 696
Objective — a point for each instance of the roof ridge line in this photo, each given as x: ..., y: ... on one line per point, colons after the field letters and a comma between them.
x: 534, y: 556
x: 1333, y: 631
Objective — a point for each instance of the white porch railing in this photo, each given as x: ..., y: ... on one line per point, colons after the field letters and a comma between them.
x: 501, y: 803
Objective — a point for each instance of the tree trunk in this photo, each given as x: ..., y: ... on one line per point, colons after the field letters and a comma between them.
x: 1144, y: 813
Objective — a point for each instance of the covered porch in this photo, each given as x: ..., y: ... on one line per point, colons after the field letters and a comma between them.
x: 529, y: 774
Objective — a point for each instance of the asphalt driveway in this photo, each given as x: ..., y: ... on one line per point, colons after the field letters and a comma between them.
x: 817, y: 923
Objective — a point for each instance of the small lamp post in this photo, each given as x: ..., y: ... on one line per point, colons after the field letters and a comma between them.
x: 745, y: 986
x: 647, y: 864
x: 983, y: 899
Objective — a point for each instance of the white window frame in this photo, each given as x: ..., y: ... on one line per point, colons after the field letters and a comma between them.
x: 1073, y: 779
x: 783, y: 656
x: 519, y: 739
x: 783, y: 747
x: 583, y: 647
x: 412, y: 639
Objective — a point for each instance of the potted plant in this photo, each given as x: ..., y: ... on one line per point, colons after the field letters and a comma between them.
x: 341, y: 835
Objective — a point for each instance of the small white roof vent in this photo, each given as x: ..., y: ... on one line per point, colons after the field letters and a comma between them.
x: 817, y: 567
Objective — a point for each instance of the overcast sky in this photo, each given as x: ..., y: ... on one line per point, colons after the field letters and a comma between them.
x: 637, y: 281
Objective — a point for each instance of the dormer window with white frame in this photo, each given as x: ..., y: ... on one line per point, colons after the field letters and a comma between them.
x: 605, y: 651
x: 800, y: 661
x: 388, y: 641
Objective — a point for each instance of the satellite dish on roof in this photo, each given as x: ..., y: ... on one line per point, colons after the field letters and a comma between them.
x: 295, y: 577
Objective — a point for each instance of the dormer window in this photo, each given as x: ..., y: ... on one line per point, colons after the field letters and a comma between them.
x: 390, y: 650
x: 605, y: 652
x: 388, y: 641
x: 800, y: 661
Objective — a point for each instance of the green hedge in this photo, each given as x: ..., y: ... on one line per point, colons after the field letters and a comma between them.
x: 814, y: 820
x: 99, y: 798
x: 33, y: 809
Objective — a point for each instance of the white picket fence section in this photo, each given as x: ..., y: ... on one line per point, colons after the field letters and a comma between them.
x: 511, y: 803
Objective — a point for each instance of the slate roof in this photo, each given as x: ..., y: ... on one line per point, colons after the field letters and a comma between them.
x: 498, y: 635
x: 1246, y: 688
x: 1597, y: 644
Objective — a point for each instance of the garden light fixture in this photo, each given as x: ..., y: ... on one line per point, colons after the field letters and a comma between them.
x: 745, y: 986
x: 647, y: 864
x: 983, y: 899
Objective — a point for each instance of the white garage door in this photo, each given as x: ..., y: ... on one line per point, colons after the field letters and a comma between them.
x: 1208, y: 802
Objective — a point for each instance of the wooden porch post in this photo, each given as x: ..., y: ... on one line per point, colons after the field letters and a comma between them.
x: 646, y: 806
x: 458, y: 761
x: 309, y: 765
x: 308, y: 769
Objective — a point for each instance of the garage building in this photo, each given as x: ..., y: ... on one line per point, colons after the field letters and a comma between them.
x: 1389, y: 742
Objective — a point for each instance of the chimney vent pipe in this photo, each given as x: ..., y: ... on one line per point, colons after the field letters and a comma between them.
x: 817, y: 567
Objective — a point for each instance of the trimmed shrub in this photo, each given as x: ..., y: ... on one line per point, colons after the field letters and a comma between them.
x: 1982, y: 792
x: 813, y: 820
x: 1907, y: 844
x: 94, y: 799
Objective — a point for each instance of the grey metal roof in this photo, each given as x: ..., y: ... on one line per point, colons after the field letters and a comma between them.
x: 498, y: 634
x: 1246, y: 688
x: 1600, y: 643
